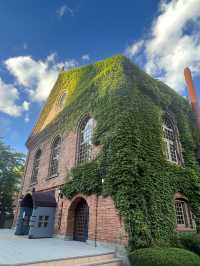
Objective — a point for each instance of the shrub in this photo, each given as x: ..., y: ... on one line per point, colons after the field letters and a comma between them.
x: 163, y: 257
x: 190, y: 241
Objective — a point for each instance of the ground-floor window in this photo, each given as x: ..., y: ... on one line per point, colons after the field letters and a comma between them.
x: 184, y: 217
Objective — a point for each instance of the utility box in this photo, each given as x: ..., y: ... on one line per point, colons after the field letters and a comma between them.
x: 42, y: 222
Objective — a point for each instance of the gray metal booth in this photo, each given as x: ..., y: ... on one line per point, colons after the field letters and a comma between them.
x: 37, y: 215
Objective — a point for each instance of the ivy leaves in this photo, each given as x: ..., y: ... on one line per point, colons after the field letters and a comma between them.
x: 131, y: 161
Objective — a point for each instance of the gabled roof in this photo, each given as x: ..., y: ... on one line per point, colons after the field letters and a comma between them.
x: 70, y: 81
x: 112, y: 74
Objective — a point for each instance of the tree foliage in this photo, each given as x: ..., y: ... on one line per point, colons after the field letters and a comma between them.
x: 11, y: 170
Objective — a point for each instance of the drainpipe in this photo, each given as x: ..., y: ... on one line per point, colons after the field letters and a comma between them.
x: 95, y: 235
x: 192, y: 95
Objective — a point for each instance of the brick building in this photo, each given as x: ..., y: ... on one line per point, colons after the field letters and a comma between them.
x: 61, y: 140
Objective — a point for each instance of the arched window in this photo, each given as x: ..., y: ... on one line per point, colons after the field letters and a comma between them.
x: 55, y: 153
x: 61, y: 100
x: 184, y: 217
x: 36, y: 164
x: 85, y: 134
x: 170, y: 139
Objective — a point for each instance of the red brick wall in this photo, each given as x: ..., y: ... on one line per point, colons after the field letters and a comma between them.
x: 66, y: 162
x: 105, y: 223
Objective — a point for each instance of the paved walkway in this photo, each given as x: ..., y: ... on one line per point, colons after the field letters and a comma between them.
x: 21, y: 250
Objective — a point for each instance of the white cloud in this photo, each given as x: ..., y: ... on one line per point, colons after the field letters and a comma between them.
x: 26, y: 105
x: 67, y: 64
x: 27, y: 118
x: 61, y: 11
x: 173, y: 43
x: 135, y: 48
x: 51, y: 57
x: 8, y: 98
x: 33, y: 78
x: 85, y: 57
x: 37, y: 76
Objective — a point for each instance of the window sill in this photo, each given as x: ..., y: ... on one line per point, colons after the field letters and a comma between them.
x: 185, y: 229
x: 178, y: 164
x: 52, y: 176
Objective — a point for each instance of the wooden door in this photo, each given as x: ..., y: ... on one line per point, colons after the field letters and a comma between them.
x: 81, y: 221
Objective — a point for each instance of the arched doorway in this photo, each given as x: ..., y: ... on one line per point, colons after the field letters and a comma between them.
x: 78, y: 220
x: 26, y: 208
x: 81, y: 221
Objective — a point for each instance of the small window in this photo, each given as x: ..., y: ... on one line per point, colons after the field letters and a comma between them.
x: 85, y: 134
x: 180, y: 213
x: 36, y: 164
x: 61, y: 100
x: 45, y: 224
x: 184, y: 217
x: 55, y: 154
x: 43, y: 221
x: 170, y: 139
x: 40, y: 224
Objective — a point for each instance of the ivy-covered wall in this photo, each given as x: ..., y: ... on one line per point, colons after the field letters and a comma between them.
x: 127, y: 105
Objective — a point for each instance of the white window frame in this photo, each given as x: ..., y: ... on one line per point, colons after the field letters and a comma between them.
x: 184, y: 213
x: 170, y: 145
x: 54, y: 158
x: 85, y: 135
x: 36, y: 166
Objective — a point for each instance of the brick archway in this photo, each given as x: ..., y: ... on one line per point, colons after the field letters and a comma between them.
x: 78, y: 210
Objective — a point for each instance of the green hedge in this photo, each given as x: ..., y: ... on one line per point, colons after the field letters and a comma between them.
x: 163, y: 257
x: 190, y: 241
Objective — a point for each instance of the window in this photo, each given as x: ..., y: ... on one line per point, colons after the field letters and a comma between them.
x: 85, y: 134
x: 170, y: 140
x: 184, y: 217
x: 55, y: 153
x: 180, y: 213
x: 61, y: 100
x: 43, y: 221
x: 36, y: 164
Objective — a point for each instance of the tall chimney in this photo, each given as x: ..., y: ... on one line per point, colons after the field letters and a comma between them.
x: 193, y: 95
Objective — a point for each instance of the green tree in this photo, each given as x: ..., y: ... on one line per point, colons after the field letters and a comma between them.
x: 11, y: 171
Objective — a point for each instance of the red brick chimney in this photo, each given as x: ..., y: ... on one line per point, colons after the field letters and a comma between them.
x: 193, y: 95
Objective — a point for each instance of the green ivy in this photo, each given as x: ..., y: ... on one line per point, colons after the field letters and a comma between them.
x: 127, y: 105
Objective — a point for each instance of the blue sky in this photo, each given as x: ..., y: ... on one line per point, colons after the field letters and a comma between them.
x: 38, y: 37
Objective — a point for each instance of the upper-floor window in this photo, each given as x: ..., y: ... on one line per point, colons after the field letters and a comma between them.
x: 55, y: 153
x: 170, y: 138
x: 85, y: 134
x: 61, y: 100
x: 184, y: 217
x: 36, y: 164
